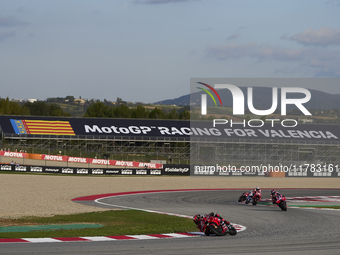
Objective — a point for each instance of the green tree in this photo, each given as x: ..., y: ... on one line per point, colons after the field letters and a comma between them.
x: 157, y: 114
x: 122, y: 111
x: 71, y: 99
x: 38, y: 108
x: 140, y: 112
x: 173, y: 115
x: 12, y: 108
x: 185, y: 113
x: 97, y: 109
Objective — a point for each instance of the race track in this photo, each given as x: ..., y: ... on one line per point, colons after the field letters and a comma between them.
x: 269, y: 230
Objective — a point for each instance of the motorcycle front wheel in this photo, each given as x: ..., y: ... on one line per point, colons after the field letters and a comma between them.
x: 215, y: 229
x: 232, y: 231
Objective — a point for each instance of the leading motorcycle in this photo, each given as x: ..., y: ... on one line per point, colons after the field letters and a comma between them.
x: 212, y: 224
x: 215, y: 225
x: 281, y: 202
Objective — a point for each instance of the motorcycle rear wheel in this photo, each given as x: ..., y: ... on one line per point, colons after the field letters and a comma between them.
x: 255, y: 201
x: 283, y: 206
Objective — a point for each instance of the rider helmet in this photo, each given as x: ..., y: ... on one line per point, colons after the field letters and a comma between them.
x: 257, y: 188
x: 273, y: 192
x: 197, y: 218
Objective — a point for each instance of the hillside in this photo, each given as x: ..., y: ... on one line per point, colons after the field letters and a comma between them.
x: 262, y: 99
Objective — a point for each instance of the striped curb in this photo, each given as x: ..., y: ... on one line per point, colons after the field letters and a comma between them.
x: 97, y: 238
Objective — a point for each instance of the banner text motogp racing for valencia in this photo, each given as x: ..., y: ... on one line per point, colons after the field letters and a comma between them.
x: 236, y: 130
x: 186, y: 130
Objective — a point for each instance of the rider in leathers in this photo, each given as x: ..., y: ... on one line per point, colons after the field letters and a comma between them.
x: 200, y: 221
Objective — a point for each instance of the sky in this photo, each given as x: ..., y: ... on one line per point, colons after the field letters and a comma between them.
x: 147, y: 50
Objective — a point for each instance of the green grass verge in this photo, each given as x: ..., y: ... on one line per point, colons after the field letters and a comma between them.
x: 122, y: 222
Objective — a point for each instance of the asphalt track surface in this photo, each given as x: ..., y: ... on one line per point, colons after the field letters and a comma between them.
x: 269, y: 230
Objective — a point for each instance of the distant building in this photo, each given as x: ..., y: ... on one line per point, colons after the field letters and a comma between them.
x: 306, y: 120
x: 79, y: 101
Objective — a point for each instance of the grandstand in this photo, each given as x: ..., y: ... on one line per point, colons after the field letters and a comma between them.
x: 99, y: 137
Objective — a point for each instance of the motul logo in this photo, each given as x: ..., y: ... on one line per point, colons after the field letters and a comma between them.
x: 100, y: 161
x: 51, y: 157
x: 77, y: 160
x: 13, y: 154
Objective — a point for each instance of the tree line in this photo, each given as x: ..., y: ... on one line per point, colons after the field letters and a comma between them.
x: 38, y: 108
x: 96, y: 109
x: 100, y: 110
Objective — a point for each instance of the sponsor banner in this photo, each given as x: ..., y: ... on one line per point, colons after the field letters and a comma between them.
x: 6, y: 168
x: 37, y: 169
x: 254, y: 129
x: 13, y: 154
x: 155, y: 172
x: 172, y: 169
x: 96, y: 171
x: 112, y: 171
x: 51, y: 169
x: 68, y: 170
x: 21, y: 168
x: 141, y: 172
x: 78, y: 160
x: 82, y: 171
x: 54, y: 157
x: 148, y: 165
x: 180, y: 170
x: 102, y: 161
x: 125, y: 163
x: 127, y: 172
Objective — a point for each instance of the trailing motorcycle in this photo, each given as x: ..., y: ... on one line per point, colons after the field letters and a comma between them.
x: 253, y: 198
x: 243, y: 197
x: 256, y: 198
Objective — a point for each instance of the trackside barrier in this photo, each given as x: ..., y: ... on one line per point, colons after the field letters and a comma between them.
x: 182, y: 170
x: 310, y: 171
x: 60, y: 158
x: 168, y: 169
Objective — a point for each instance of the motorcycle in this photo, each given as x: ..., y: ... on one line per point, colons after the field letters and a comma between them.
x: 243, y: 197
x: 256, y: 198
x: 281, y: 202
x: 253, y: 198
x: 214, y: 225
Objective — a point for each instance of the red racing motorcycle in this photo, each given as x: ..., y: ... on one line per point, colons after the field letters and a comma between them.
x: 256, y: 198
x: 215, y: 225
x: 243, y: 197
x: 281, y: 202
